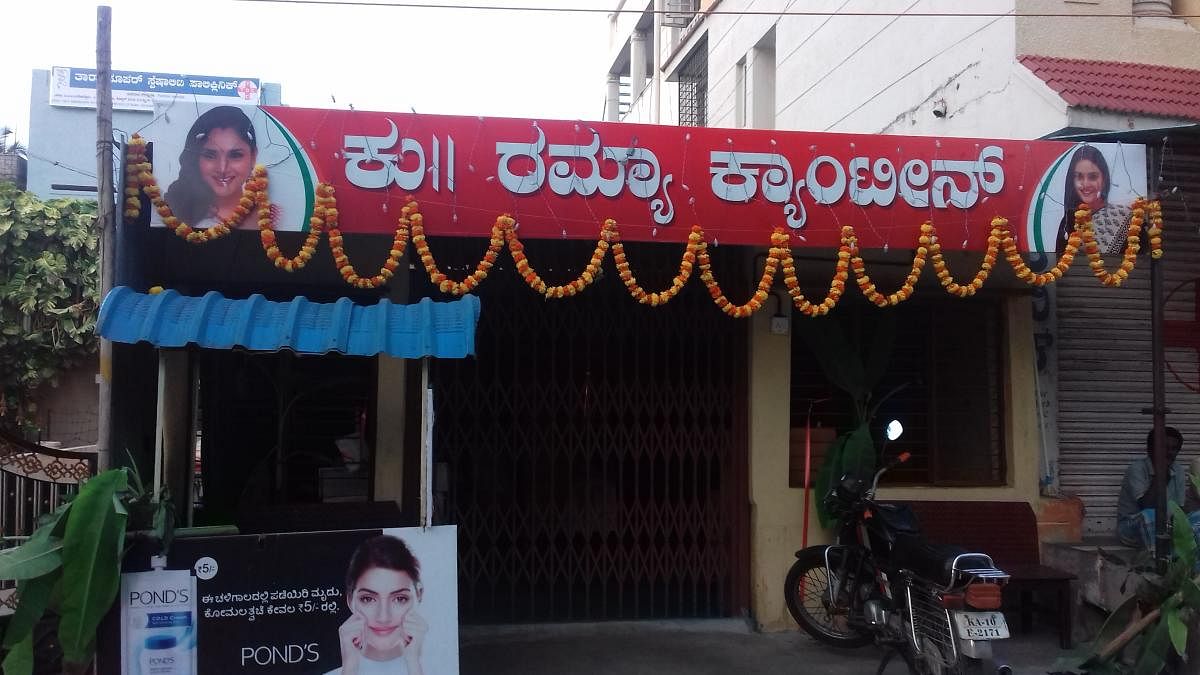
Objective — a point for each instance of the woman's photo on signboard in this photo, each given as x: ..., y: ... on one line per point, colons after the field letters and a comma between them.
x: 1089, y: 181
x: 218, y: 157
x: 386, y: 630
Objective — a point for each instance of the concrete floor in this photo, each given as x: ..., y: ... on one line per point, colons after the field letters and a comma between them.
x: 716, y: 647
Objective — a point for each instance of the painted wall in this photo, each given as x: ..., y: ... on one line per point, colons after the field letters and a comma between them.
x: 888, y: 74
x: 775, y: 509
x: 869, y: 74
x: 1156, y: 40
x: 67, y: 409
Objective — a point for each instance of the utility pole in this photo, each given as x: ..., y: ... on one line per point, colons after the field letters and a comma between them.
x: 107, y: 221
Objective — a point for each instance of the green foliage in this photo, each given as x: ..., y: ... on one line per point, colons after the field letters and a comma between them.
x: 87, y: 534
x: 855, y: 366
x: 1175, y: 594
x: 852, y: 452
x: 40, y: 554
x: 49, y: 257
x: 91, y: 567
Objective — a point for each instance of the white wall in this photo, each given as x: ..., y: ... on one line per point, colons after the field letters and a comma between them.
x: 871, y: 74
x: 1157, y: 40
x: 881, y: 74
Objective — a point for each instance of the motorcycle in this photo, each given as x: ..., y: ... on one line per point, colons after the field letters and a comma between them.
x: 935, y: 605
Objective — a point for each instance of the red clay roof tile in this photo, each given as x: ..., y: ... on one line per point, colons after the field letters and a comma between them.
x: 1144, y: 89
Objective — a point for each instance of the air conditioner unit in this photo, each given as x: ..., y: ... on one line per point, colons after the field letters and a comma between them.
x: 679, y: 13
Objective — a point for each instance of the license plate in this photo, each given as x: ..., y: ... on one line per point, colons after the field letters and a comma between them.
x: 981, y: 625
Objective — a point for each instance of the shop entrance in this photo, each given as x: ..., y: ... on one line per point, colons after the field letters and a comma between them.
x: 593, y: 454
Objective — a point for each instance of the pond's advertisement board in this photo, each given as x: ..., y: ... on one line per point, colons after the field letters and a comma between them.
x: 562, y: 179
x: 364, y: 601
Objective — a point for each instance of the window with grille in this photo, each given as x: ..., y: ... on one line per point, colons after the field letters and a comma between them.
x: 947, y: 374
x: 693, y: 87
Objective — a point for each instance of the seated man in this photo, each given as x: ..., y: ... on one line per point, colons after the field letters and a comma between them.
x: 1135, y: 505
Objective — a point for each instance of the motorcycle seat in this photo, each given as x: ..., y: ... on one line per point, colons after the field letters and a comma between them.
x: 934, y: 562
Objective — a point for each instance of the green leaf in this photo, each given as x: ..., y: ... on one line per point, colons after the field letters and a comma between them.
x: 34, y: 596
x: 1191, y: 593
x: 851, y: 453
x: 1183, y: 539
x: 1117, y: 621
x: 40, y: 554
x: 94, y: 537
x: 48, y: 255
x: 859, y: 454
x: 1154, y: 651
x: 20, y: 658
x: 1178, y: 630
x: 826, y: 475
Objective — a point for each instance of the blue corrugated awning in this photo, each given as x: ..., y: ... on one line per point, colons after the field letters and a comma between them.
x: 168, y: 319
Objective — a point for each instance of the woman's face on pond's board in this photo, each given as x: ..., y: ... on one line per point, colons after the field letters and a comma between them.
x: 383, y: 597
x: 1089, y: 183
x: 225, y: 162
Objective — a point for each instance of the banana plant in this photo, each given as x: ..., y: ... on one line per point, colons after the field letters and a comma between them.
x: 857, y: 372
x: 71, y: 566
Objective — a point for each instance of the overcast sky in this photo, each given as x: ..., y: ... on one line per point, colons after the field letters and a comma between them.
x: 548, y: 65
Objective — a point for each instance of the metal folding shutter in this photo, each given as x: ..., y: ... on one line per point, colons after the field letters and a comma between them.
x: 1104, y: 356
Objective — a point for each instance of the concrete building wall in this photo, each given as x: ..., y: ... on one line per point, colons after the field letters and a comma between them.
x: 876, y: 74
x: 66, y: 410
x: 775, y: 508
x: 1144, y: 39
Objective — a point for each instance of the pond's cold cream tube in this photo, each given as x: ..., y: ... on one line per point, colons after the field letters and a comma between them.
x: 158, y: 621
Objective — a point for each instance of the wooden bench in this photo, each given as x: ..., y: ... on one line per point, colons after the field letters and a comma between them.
x: 1007, y: 531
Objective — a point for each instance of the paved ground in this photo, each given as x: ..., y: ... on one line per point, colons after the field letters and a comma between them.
x: 723, y: 647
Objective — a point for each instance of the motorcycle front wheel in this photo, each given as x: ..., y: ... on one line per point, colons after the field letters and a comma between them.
x: 825, y: 615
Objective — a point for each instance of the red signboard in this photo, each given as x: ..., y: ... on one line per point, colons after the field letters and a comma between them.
x: 561, y: 179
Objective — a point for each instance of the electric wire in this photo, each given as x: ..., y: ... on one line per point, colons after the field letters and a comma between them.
x: 719, y: 12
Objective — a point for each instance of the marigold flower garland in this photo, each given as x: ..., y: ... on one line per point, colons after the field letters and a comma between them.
x: 864, y: 280
x: 929, y: 238
x: 135, y: 164
x: 836, y: 287
x: 1083, y: 219
x: 686, y: 266
x: 1154, y: 232
x: 779, y: 241
x: 325, y: 219
x: 255, y: 186
x: 408, y: 214
x: 468, y: 284
x: 590, y: 272
x: 316, y: 225
x: 1132, y: 245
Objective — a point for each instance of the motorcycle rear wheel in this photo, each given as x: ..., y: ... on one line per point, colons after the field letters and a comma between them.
x: 806, y: 592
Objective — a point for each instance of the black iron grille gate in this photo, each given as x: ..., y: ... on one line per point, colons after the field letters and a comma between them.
x: 593, y: 452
